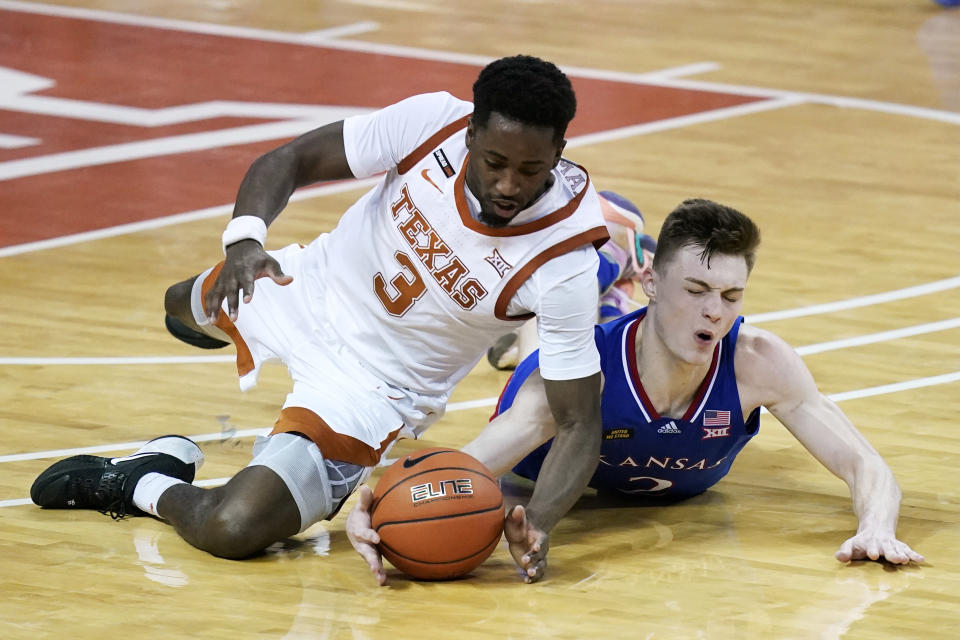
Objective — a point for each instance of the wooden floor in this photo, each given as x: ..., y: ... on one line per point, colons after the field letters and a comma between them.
x: 835, y: 125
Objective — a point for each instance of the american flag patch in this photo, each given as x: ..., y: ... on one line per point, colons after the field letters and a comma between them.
x: 716, y: 418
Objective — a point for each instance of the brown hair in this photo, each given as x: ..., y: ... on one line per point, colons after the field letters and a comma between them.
x: 712, y: 227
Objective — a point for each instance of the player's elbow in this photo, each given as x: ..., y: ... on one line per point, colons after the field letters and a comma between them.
x: 583, y: 430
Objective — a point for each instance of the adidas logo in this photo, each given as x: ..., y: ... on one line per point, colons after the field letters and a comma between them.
x: 670, y: 427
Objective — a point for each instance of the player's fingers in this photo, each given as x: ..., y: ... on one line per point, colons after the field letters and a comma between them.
x: 274, y: 271
x: 373, y: 561
x: 513, y: 525
x: 873, y: 550
x: 892, y: 554
x: 844, y: 553
x: 211, y: 303
x: 536, y: 572
x: 233, y: 303
x: 367, y: 535
x: 906, y: 554
x: 282, y: 279
x: 532, y: 558
x: 245, y: 282
x: 857, y: 549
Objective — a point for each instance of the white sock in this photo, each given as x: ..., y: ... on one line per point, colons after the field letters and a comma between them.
x: 147, y: 493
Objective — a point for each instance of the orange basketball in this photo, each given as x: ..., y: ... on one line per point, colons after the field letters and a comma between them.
x: 439, y: 513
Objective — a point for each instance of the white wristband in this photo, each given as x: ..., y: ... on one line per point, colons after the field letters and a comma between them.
x: 244, y: 228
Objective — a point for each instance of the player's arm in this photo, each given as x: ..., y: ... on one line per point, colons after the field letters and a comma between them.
x: 773, y: 371
x: 570, y: 368
x: 313, y: 157
x: 569, y: 412
x: 361, y: 146
x: 566, y: 470
x: 530, y: 421
x: 513, y: 434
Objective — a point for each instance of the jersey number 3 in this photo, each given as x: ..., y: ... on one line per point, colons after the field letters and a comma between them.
x: 408, y: 287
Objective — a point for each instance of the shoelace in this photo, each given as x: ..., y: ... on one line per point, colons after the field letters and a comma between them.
x: 111, y: 488
x: 116, y: 510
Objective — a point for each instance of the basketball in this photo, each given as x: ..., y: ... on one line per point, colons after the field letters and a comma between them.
x: 439, y: 514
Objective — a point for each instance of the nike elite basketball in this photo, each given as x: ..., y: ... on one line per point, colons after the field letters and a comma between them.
x: 439, y: 514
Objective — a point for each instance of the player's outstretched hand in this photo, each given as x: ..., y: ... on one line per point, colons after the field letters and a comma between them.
x: 363, y: 537
x: 245, y: 262
x: 528, y: 544
x: 874, y: 546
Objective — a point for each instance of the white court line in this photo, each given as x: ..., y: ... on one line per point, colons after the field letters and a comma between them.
x: 8, y: 141
x: 324, y: 35
x: 489, y: 402
x: 485, y: 402
x: 843, y: 102
x: 303, y: 194
x: 917, y: 383
x: 129, y: 446
x: 665, y: 78
x: 180, y: 218
x: 117, y: 361
x: 662, y: 77
x: 852, y: 303
x: 678, y: 122
x: 146, y: 147
x: 142, y: 149
x: 228, y: 31
x: 883, y: 336
x: 844, y: 343
x: 202, y: 437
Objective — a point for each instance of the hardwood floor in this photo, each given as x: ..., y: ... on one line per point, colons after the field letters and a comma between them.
x: 836, y: 126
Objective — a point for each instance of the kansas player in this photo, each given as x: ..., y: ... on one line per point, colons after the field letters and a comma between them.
x: 684, y: 380
x: 645, y: 453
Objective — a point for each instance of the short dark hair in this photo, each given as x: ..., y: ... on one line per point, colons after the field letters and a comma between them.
x: 713, y: 228
x: 526, y: 89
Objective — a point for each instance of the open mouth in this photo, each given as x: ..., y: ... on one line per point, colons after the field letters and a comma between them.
x: 704, y: 337
x: 504, y: 208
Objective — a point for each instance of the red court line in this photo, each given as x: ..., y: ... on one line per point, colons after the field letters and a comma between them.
x: 154, y: 68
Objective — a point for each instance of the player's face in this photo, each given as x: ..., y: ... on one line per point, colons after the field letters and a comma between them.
x: 695, y: 304
x: 509, y: 166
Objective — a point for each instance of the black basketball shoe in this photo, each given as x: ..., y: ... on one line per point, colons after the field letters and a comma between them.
x: 107, y: 484
x: 192, y: 337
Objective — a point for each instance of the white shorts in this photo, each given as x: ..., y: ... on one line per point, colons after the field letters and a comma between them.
x: 319, y: 487
x: 288, y: 323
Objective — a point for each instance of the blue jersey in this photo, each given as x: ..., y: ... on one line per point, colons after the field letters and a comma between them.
x: 644, y: 453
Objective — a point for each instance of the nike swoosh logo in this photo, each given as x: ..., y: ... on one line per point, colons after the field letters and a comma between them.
x: 115, y: 461
x: 411, y: 462
x: 427, y: 178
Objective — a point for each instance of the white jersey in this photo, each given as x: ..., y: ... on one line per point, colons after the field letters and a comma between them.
x: 415, y: 285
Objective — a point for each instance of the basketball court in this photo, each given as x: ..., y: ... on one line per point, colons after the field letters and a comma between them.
x: 125, y: 129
